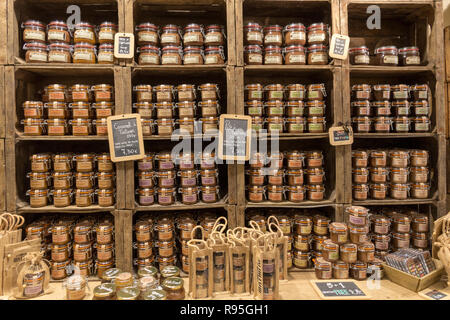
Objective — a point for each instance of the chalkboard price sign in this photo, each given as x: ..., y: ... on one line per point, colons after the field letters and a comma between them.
x: 341, y: 136
x: 335, y: 290
x: 434, y: 295
x: 339, y: 46
x: 234, y: 137
x: 124, y: 45
x: 125, y: 137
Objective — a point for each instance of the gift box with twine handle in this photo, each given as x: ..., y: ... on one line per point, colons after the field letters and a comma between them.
x: 282, y: 246
x: 441, y: 243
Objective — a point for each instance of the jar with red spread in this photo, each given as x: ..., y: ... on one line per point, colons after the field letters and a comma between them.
x: 253, y: 55
x: 360, y: 191
x: 295, y: 55
x: 378, y: 191
x: 253, y: 34
x: 360, y: 175
x: 381, y: 92
x: 387, y: 56
x: 317, y: 54
x: 359, y: 55
x: 360, y: 159
x: 362, y: 124
x: 361, y: 91
x: 318, y: 33
x: 409, y: 56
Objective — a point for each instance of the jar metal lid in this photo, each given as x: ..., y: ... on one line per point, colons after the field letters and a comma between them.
x: 317, y: 25
x: 385, y: 49
x: 274, y: 27
x: 84, y: 45
x: 34, y: 23
x: 83, y: 25
x: 382, y: 87
x: 191, y: 48
x: 59, y: 45
x: 349, y: 247
x: 173, y: 283
x: 295, y: 26
x: 272, y: 49
x: 147, y: 25
x: 359, y: 49
x: 408, y: 49
x: 34, y: 45
x: 295, y: 48
x: 317, y: 47
x: 252, y: 25
x: 108, y: 24
x: 171, y: 27
x: 366, y: 247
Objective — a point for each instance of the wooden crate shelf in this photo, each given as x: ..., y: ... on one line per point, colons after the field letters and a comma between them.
x: 69, y: 209
x: 178, y: 206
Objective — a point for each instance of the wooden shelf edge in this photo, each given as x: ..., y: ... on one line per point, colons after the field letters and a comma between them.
x: 286, y: 204
x: 223, y: 203
x: 290, y: 67
x: 21, y: 137
x: 70, y: 209
x: 65, y: 66
x: 396, y: 135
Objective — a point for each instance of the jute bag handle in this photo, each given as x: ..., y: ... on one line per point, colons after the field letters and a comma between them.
x: 220, y: 225
x: 254, y: 225
x: 194, y: 231
x: 3, y: 224
x: 269, y: 221
x: 278, y: 230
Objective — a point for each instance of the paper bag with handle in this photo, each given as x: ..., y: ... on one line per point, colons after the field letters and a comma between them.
x: 239, y: 262
x: 219, y: 245
x: 282, y: 245
x: 200, y: 266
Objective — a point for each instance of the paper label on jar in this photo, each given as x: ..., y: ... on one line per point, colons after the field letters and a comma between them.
x: 165, y: 199
x: 363, y: 127
x: 390, y: 59
x: 211, y: 37
x: 106, y: 35
x: 315, y: 127
x: 423, y: 95
x: 86, y: 56
x: 80, y: 130
x: 400, y: 127
x: 166, y: 182
x: 359, y: 195
x: 28, y: 113
x: 207, y: 181
x: 254, y: 58
x: 296, y: 95
x: 56, y: 35
x: 56, y: 96
x: 147, y: 37
x: 166, y: 165
x: 189, y: 198
x: 296, y: 127
x: 186, y: 112
x: 256, y: 127
x: 211, y: 197
x: 402, y: 243
x: 105, y: 201
x: 146, y: 200
x: 402, y: 111
x: 296, y: 196
x: 84, y: 34
x: 31, y: 130
x: 301, y: 246
x: 106, y: 57
x: 102, y: 95
x: 269, y: 38
x: 208, y: 95
x: 342, y: 238
x: 412, y: 60
x: 80, y: 113
x: 255, y: 196
x: 315, y: 179
x: 381, y: 229
x: 211, y: 59
x: 420, y: 243
x: 273, y: 59
x: 149, y: 58
x: 209, y: 111
x: 422, y: 126
x: 317, y: 37
x: 273, y: 180
x: 170, y: 59
x: 83, y: 184
x: 38, y: 56
x: 185, y: 95
x: 400, y: 95
x: 104, y: 113
x: 382, y: 127
x: 275, y: 127
x: 297, y: 35
x: 275, y: 111
x: 164, y: 113
x: 315, y: 111
x: 57, y: 130
x: 382, y: 245
x: 257, y: 180
x: 297, y: 58
x: 378, y: 194
x: 362, y: 94
x: 84, y: 166
x: 319, y: 57
x: 378, y: 177
x: 313, y: 95
x: 362, y: 59
x: 145, y: 182
x: 296, y: 111
x: 296, y: 180
x: 254, y: 36
x: 187, y: 127
x: 56, y: 113
x: 275, y: 95
x: 58, y: 57
x: 37, y: 184
x: 163, y: 96
x: 301, y: 263
x: 194, y: 37
x: 357, y: 220
x: 33, y: 35
x: 188, y: 182
x: 423, y: 111
x: 420, y: 177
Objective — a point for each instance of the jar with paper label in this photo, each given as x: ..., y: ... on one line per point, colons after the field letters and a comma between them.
x: 316, y: 124
x: 338, y: 232
x: 361, y: 108
x: 209, y: 91
x: 58, y: 270
x: 381, y: 92
x: 378, y: 158
x: 150, y: 55
x: 193, y: 35
x: 317, y: 54
x: 315, y: 192
x: 399, y: 191
x: 399, y: 158
x: 379, y: 174
x: 420, y: 190
x: 255, y: 177
x: 210, y: 194
x: 103, y: 93
x: 166, y: 196
x: 106, y: 180
x: 59, y: 52
x: 360, y: 191
x: 165, y: 126
x: 362, y: 124
x: 315, y: 176
x: 275, y: 124
x: 348, y: 252
x: 275, y: 193
x: 357, y: 215
x: 143, y: 93
x: 186, y: 92
x: 320, y: 225
x: 214, y: 55
x: 421, y: 124
x: 378, y: 191
x: 253, y: 34
x: 296, y: 124
x: 361, y: 91
x: 33, y: 109
x: 166, y: 178
x: 103, y: 109
x: 254, y: 92
x: 34, y: 127
x: 253, y: 55
x: 257, y: 123
x: 38, y: 197
x: 400, y: 92
x: 39, y: 180
x: 330, y: 251
x: 358, y: 270
x: 106, y: 32
x: 303, y: 225
x: 186, y: 125
x: 192, y: 56
x: 359, y: 159
x: 302, y: 243
x: 358, y: 234
x: 172, y: 55
x: 401, y: 108
x: 400, y: 240
x: 381, y: 108
x: 164, y: 110
x: 295, y: 193
x: 273, y: 36
x: 209, y: 177
x: 301, y: 259
x: 274, y: 92
x: 210, y: 125
x: 189, y: 195
x: 33, y: 30
x: 420, y: 92
x: 318, y: 33
x: 104, y: 233
x: 420, y: 108
x: 274, y: 108
x: 359, y: 55
x: 80, y: 127
x: 84, y: 33
x: 275, y: 177
x: 273, y: 55
x: 409, y: 56
x: 164, y: 93
x: 380, y: 224
x: 420, y: 223
x: 420, y: 240
x: 103, y: 266
x: 57, y: 110
x: 386, y: 56
x: 295, y: 94
x: 57, y: 93
x: 315, y: 108
x: 214, y: 35
x: 41, y: 162
x: 295, y: 55
x: 256, y: 193
x: 399, y: 175
x: 106, y: 53
x: 147, y: 34
x: 81, y: 93
x: 294, y: 34
x: 84, y: 180
x: 316, y: 92
x: 60, y: 252
x: 84, y: 53
x: 36, y: 52
x: 84, y: 197
x: 254, y: 108
x: 82, y: 251
x: 104, y: 163
x: 382, y: 124
x: 81, y: 110
x: 340, y: 270
x: 323, y: 269
x: 61, y: 234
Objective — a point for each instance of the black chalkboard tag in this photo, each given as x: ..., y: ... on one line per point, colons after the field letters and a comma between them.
x: 434, y: 295
x: 234, y: 137
x: 339, y: 290
x: 124, y: 45
x: 341, y: 135
x: 125, y: 137
x: 339, y: 46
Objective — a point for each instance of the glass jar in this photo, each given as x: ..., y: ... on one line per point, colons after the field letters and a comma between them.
x: 209, y: 177
x: 254, y: 108
x: 104, y: 291
x: 340, y: 270
x: 164, y: 93
x: 210, y: 125
x: 359, y: 270
x: 59, y: 52
x: 330, y: 251
x: 378, y: 191
x: 420, y: 240
x: 189, y: 195
x: 257, y: 123
x: 60, y: 234
x: 274, y: 92
x: 378, y: 158
x: 273, y: 36
x: 315, y: 176
x: 294, y: 34
x: 58, y: 270
x: 253, y: 34
x: 188, y: 178
x: 80, y: 127
x: 296, y: 125
x: 84, y: 197
x: 84, y: 33
x: 303, y: 225
x: 275, y: 193
x: 210, y: 194
x: 400, y: 240
x: 165, y: 126
x: 386, y: 56
x: 273, y: 55
x: 420, y: 92
x: 147, y: 34
x: 381, y: 92
x: 399, y: 175
x: 35, y: 52
x: 274, y: 108
x: 315, y: 108
x: 320, y: 225
x: 34, y: 127
x: 379, y: 174
x: 33, y: 30
x: 420, y: 108
x: 409, y: 56
x: 256, y: 177
x: 208, y: 160
x: 57, y: 110
x: 166, y: 196
x: 358, y: 235
x: 275, y: 177
x: 193, y: 35
x: 39, y: 180
x: 381, y: 108
x: 166, y: 178
x: 144, y: 95
x: 357, y: 215
x: 186, y: 109
x: 104, y: 233
x: 214, y: 35
x: 359, y: 159
x: 361, y: 108
x: 316, y: 124
x: 400, y: 92
x: 254, y: 92
x: 295, y: 93
x: 146, y: 196
x: 295, y: 159
x: 359, y: 55
x: 360, y: 175
x: 256, y: 193
x: 186, y: 92
x: 170, y: 35
x: 401, y: 223
x: 103, y: 93
x: 399, y: 191
x: 103, y: 109
x: 209, y: 91
x: 317, y: 54
x: 81, y: 110
x: 316, y: 92
x: 84, y: 180
x: 172, y: 55
x: 192, y: 56
x: 82, y: 251
x: 382, y: 124
x: 318, y: 33
x: 84, y: 53
x: 380, y: 224
x: 360, y: 191
x: 302, y: 243
x: 60, y: 252
x: 38, y: 198
x: 253, y: 55
x: 401, y: 107
x: 338, y: 232
x: 301, y: 259
x: 348, y: 252
x: 106, y: 33
x: 173, y: 286
x: 214, y: 55
x: 150, y: 55
x: 295, y: 55
x: 165, y: 248
x: 399, y: 158
x: 361, y: 91
x: 421, y: 124
x: 106, y: 54
x: 275, y: 125
x: 33, y: 109
x: 420, y: 190
x: 366, y: 252
x: 420, y: 223
x: 295, y: 193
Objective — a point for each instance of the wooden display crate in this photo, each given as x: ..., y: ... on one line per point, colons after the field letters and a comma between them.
x: 2, y: 102
x: 94, y: 12
x: 2, y: 176
x: 447, y: 52
x: 284, y: 12
x: 411, y: 282
x: 3, y: 32
x: 181, y: 13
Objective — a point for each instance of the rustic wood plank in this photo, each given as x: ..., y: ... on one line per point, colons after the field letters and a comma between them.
x: 231, y: 33
x: 239, y: 26
x: 340, y: 151
x: 123, y: 225
x: 11, y: 191
x: 240, y: 216
x: 2, y: 103
x: 3, y: 32
x: 232, y: 222
x: 2, y: 176
x: 447, y: 52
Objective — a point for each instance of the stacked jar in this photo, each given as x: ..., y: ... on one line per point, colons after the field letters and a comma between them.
x: 374, y: 111
x: 189, y: 101
x: 40, y: 229
x: 85, y: 43
x: 144, y: 232
x: 164, y: 46
x: 83, y: 247
x: 59, y: 183
x: 275, y: 45
x: 286, y: 182
x: 400, y: 174
x: 385, y: 56
x: 284, y: 108
x: 90, y: 106
x: 104, y: 246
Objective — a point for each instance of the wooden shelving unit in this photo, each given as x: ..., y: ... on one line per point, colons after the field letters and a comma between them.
x: 404, y: 20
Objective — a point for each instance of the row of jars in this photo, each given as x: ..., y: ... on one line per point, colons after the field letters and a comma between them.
x: 62, y: 127
x: 385, y: 56
x: 176, y: 93
x: 384, y: 92
x: 278, y: 92
x: 293, y: 159
x: 292, y: 55
x: 274, y: 193
x: 167, y: 196
x: 401, y: 124
x: 275, y: 125
x: 176, y: 55
x: 396, y: 158
x: 62, y: 110
x: 64, y: 162
x: 165, y: 160
x: 292, y: 34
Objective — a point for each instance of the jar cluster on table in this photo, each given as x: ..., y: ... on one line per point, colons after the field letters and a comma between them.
x: 385, y: 108
x: 385, y: 56
x: 397, y: 174
x: 291, y: 176
x: 193, y: 177
x: 77, y: 109
x: 172, y: 45
x: 187, y: 107
x: 275, y: 45
x: 65, y: 179
x: 293, y: 108
x: 162, y: 242
x: 86, y: 243
x: 57, y: 43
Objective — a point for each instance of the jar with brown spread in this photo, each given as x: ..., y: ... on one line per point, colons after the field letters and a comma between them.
x: 166, y: 196
x: 318, y: 33
x: 421, y: 124
x: 210, y: 194
x: 359, y: 55
x: 301, y: 259
x: 165, y: 248
x: 420, y: 108
x: 359, y: 270
x: 316, y: 124
x: 378, y: 158
x: 254, y: 92
x: 360, y: 175
x: 61, y: 233
x: 193, y: 35
x: 84, y: 53
x: 39, y: 180
x: 296, y: 160
x: 58, y: 270
x: 172, y: 55
x: 254, y: 108
x: 106, y: 54
x: 33, y: 30
x: 420, y: 190
x: 274, y: 108
x: 192, y: 56
x: 147, y: 34
x: 379, y: 174
x: 34, y: 127
x: 170, y: 35
x: 361, y: 108
x: 302, y: 243
x: 382, y: 124
x: 81, y: 110
x: 275, y: 124
x: 36, y: 52
x: 359, y: 159
x: 420, y: 240
x: 295, y: 193
x: 165, y: 126
x: 323, y: 269
x: 273, y: 55
x: 381, y: 92
x: 296, y: 124
x: 189, y: 195
x: 361, y: 91
x: 295, y: 55
x: 274, y: 92
x: 399, y: 191
x: 80, y: 127
x: 400, y: 240
x: 256, y: 193
x: 253, y: 33
x: 316, y: 92
x: 59, y: 52
x: 400, y: 92
x: 378, y: 191
x: 420, y: 223
x: 103, y: 109
x: 275, y: 193
x: 214, y: 55
x: 399, y: 158
x: 315, y: 108
x: 338, y: 232
x: 360, y: 191
x: 214, y: 35
x: 257, y: 123
x: 82, y: 251
x: 317, y: 54
x: 149, y: 55
x: 295, y: 109
x: 420, y: 92
x: 210, y: 125
x: 387, y: 56
x: 84, y: 180
x: 348, y: 252
x: 366, y: 252
x: 399, y: 175
x: 330, y: 251
x: 358, y: 234
x: 380, y: 224
x: 209, y: 108
x: 209, y: 177
x: 340, y: 270
x: 409, y: 56
x: 84, y: 197
x: 381, y: 108
x: 253, y: 55
x: 33, y: 109
x: 401, y: 223
x: 38, y: 197
x: 315, y: 176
